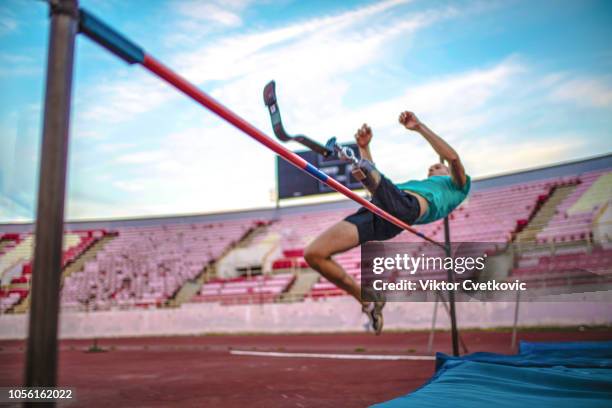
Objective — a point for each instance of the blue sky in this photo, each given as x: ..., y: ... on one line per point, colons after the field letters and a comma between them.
x: 511, y: 84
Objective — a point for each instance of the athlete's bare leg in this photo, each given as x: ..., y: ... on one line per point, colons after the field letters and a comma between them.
x: 338, y: 238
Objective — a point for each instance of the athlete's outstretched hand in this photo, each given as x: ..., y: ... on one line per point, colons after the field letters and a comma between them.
x: 363, y: 136
x: 409, y: 120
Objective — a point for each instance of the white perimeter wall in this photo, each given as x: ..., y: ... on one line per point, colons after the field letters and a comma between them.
x: 330, y: 315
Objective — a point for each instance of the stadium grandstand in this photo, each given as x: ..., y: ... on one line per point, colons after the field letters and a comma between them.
x: 496, y: 290
x: 555, y: 222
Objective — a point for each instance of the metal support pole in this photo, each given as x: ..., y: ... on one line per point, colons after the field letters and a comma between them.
x: 433, y: 327
x: 440, y: 297
x: 41, y: 357
x: 451, y: 293
x: 516, y: 314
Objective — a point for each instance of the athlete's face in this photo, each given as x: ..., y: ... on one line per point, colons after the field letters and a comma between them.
x: 438, y: 169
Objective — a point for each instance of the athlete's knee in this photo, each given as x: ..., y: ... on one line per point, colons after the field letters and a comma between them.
x: 313, y: 254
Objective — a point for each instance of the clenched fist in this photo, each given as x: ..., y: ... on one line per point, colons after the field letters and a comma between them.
x: 363, y: 136
x: 409, y: 120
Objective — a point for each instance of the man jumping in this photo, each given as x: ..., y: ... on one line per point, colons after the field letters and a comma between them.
x: 414, y: 202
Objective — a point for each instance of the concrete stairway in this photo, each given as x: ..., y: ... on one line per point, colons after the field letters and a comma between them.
x: 75, y: 266
x: 4, y: 243
x: 189, y: 289
x: 193, y: 286
x: 90, y: 254
x: 301, y: 286
x: 544, y: 214
x: 250, y: 237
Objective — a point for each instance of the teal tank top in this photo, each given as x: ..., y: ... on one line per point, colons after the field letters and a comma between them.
x: 442, y: 194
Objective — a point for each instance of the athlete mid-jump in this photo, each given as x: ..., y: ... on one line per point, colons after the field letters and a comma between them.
x: 414, y: 202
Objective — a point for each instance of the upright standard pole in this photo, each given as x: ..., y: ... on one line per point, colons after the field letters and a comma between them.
x: 41, y: 357
x: 451, y: 292
x: 515, y: 323
x: 433, y: 327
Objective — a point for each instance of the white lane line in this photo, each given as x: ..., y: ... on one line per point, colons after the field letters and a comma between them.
x: 332, y: 356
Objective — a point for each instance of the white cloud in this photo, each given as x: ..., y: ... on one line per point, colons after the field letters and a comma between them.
x: 84, y: 133
x: 13, y: 210
x: 117, y: 100
x: 8, y: 22
x: 326, y: 44
x: 312, y: 53
x: 211, y: 166
x: 447, y: 100
x: 501, y: 153
x: 9, y: 58
x: 14, y: 65
x: 481, y: 112
x: 196, y: 170
x: 192, y: 171
x: 132, y: 185
x: 590, y: 92
x: 80, y: 208
x: 211, y: 12
x: 140, y: 157
x: 115, y: 147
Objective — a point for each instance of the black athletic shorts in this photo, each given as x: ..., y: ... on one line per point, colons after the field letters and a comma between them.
x: 391, y: 199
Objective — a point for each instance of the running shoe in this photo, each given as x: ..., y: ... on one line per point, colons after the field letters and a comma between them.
x: 374, y: 312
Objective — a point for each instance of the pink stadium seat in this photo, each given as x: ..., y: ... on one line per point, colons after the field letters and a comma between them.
x: 257, y: 289
x: 86, y: 239
x: 564, y: 226
x: 145, y: 266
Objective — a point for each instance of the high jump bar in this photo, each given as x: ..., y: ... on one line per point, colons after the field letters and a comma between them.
x: 131, y: 53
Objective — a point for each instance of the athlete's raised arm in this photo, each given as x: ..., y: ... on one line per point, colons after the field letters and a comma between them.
x: 363, y: 137
x: 410, y: 121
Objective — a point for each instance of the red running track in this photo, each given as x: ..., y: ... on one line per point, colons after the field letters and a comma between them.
x: 199, y: 371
